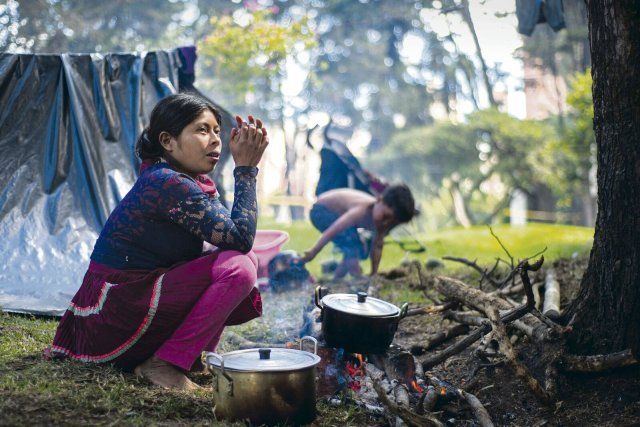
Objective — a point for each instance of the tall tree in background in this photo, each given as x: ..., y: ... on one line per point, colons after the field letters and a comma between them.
x: 605, y: 315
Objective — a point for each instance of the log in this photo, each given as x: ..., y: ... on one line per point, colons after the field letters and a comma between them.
x: 419, y: 370
x: 428, y: 400
x: 551, y: 305
x: 477, y: 299
x: 373, y: 372
x: 478, y: 409
x: 500, y: 334
x: 374, y: 410
x: 536, y: 294
x: 552, y: 325
x: 399, y: 365
x: 523, y: 327
x: 401, y: 395
x: 597, y: 363
x: 472, y: 318
x: 456, y: 348
x: 509, y: 316
x: 407, y: 416
x: 469, y: 296
x: 508, y: 290
x: 437, y: 339
x: 428, y: 309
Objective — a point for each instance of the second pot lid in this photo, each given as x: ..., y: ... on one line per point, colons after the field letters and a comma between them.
x: 360, y: 304
x: 266, y: 360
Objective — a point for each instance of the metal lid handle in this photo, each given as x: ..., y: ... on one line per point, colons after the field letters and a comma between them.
x: 211, y: 355
x: 404, y: 310
x: 318, y: 296
x: 265, y: 353
x: 315, y: 343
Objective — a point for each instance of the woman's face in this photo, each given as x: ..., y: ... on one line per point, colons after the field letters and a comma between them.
x: 197, y: 149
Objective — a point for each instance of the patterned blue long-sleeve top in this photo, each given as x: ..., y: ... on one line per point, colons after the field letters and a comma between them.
x: 166, y: 216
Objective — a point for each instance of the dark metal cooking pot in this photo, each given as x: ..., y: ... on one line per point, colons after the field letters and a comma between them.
x: 358, y: 323
x: 265, y: 385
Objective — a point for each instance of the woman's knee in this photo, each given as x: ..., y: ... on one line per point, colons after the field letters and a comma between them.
x: 242, y: 268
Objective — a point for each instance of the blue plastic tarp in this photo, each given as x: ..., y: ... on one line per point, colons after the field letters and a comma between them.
x: 68, y: 126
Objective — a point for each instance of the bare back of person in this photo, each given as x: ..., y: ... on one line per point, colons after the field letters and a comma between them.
x: 341, y: 200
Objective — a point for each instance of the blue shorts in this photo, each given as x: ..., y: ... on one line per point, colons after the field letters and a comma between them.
x: 348, y: 242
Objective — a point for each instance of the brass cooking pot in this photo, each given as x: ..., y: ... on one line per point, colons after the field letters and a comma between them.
x: 265, y: 385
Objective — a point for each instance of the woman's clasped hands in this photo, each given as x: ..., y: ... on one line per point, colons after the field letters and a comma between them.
x: 248, y: 141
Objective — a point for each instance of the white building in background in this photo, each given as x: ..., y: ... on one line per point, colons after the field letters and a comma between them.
x: 518, y: 208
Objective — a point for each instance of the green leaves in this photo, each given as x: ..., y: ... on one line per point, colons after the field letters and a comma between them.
x: 251, y: 47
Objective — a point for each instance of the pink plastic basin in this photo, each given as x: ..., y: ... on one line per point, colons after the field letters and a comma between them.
x: 266, y: 245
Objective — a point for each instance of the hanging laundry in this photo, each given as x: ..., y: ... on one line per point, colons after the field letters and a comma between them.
x: 533, y: 12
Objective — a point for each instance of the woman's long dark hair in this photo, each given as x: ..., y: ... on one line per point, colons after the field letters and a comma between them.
x: 170, y: 115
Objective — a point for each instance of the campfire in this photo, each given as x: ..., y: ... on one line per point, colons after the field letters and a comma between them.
x: 391, y: 383
x: 388, y: 381
x: 382, y: 384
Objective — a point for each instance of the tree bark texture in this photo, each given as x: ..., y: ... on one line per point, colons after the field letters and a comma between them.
x: 605, y: 315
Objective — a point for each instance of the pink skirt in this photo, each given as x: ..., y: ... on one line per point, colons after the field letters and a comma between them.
x: 123, y: 317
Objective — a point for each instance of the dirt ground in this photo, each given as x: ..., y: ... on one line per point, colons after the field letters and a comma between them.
x: 605, y: 399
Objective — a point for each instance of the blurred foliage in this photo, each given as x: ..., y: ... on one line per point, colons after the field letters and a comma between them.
x: 61, y: 26
x: 486, y: 158
x: 568, y: 160
x: 252, y: 49
x: 367, y: 72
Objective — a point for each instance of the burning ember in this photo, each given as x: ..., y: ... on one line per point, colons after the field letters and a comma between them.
x: 415, y: 386
x: 354, y: 371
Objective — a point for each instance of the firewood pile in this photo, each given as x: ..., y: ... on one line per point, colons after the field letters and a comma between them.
x: 485, y: 322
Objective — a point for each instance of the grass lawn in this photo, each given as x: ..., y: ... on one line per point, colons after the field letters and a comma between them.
x: 475, y: 243
x: 36, y: 392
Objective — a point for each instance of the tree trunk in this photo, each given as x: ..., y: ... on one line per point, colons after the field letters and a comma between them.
x: 605, y: 315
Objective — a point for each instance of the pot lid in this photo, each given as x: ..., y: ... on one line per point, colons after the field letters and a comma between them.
x: 360, y: 304
x: 266, y: 360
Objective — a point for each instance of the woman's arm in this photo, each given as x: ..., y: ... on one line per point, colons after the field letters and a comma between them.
x: 207, y: 218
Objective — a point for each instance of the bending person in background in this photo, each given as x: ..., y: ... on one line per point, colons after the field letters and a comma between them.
x: 339, y: 213
x: 152, y: 299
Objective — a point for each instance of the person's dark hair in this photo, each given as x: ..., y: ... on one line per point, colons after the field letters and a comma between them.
x: 171, y: 115
x: 399, y: 198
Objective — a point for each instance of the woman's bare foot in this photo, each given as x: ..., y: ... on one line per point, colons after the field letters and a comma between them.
x: 164, y: 374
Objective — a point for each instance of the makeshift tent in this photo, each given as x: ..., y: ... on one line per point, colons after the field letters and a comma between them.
x: 68, y: 126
